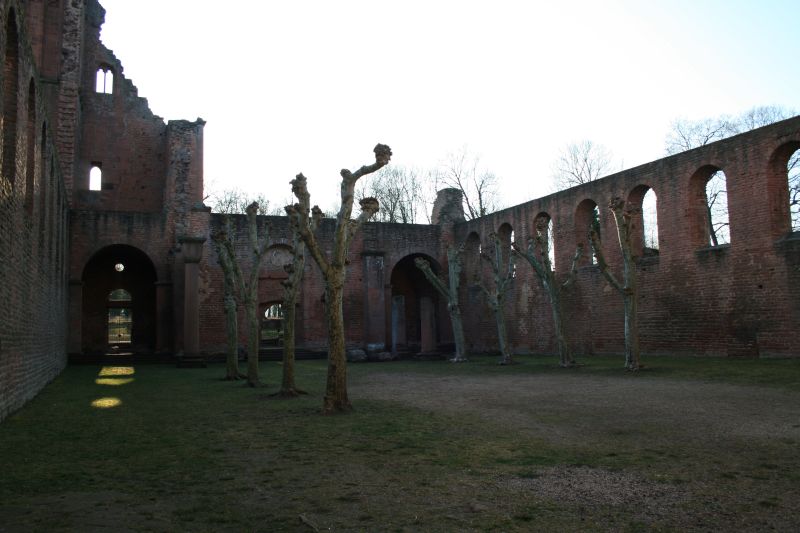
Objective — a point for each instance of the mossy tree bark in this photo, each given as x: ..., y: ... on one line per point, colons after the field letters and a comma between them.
x: 547, y: 277
x: 334, y: 268
x: 248, y: 288
x: 629, y: 287
x: 230, y: 304
x: 502, y: 277
x: 291, y: 290
x: 450, y: 292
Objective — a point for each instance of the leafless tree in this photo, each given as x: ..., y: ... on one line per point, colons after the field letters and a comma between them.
x: 334, y: 267
x: 538, y: 254
x: 247, y: 287
x: 479, y: 186
x: 401, y: 193
x: 686, y: 134
x: 581, y: 162
x: 235, y: 202
x: 450, y: 291
x: 502, y: 267
x: 291, y: 290
x: 628, y: 287
x: 230, y: 301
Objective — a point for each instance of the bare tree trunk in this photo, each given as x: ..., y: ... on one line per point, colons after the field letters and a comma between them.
x: 502, y: 278
x: 544, y: 271
x: 304, y: 222
x: 229, y: 298
x: 506, y: 357
x: 291, y: 288
x: 232, y: 334
x: 629, y: 287
x: 336, y: 399
x: 247, y: 288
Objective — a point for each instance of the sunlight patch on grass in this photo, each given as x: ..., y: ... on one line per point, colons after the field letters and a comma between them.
x: 106, y: 403
x: 114, y: 382
x: 117, y: 371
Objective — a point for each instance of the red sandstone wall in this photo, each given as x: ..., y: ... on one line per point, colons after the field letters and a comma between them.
x: 740, y: 299
x: 33, y: 234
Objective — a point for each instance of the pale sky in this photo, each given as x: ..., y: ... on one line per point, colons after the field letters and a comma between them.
x: 312, y: 86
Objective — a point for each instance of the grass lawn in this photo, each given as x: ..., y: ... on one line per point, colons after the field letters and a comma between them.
x: 686, y: 444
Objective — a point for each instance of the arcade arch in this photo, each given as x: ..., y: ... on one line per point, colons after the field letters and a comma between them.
x: 118, y: 300
x: 413, y: 307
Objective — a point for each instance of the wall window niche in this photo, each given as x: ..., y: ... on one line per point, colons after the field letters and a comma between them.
x: 105, y: 80
x: 96, y: 177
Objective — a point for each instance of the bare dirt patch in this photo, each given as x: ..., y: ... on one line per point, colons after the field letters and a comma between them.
x: 567, y: 407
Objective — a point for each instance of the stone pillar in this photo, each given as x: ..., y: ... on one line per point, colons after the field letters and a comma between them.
x: 427, y: 319
x: 398, y: 322
x: 163, y: 318
x: 374, y: 302
x: 192, y: 249
x: 75, y: 342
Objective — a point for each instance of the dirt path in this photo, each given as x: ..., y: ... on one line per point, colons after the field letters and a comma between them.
x: 579, y: 406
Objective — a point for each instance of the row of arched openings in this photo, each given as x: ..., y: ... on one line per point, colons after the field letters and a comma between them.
x: 37, y: 177
x: 709, y: 189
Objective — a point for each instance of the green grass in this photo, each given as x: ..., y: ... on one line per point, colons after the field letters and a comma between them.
x: 184, y: 450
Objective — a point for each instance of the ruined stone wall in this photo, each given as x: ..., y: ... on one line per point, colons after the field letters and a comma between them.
x: 373, y: 254
x: 33, y: 225
x: 119, y: 134
x: 739, y: 299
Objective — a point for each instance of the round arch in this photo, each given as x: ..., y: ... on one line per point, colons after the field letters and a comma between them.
x: 587, y: 215
x: 643, y: 199
x: 707, y: 189
x: 113, y: 268
x: 413, y: 324
x: 783, y: 184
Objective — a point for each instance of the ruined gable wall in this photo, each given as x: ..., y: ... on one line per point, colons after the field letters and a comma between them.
x: 740, y: 299
x: 33, y: 228
x: 119, y: 133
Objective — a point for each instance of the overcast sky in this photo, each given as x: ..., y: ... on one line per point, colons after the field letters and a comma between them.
x: 312, y: 86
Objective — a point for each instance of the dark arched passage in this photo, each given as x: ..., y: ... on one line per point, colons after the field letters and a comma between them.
x: 119, y: 268
x: 413, y: 316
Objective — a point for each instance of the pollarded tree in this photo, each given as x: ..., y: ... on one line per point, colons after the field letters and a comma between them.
x: 248, y: 288
x: 450, y: 292
x: 229, y: 288
x: 543, y: 267
x: 291, y: 289
x: 502, y: 276
x: 334, y: 267
x: 628, y: 287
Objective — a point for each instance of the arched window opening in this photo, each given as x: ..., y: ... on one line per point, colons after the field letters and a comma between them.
x: 543, y: 223
x: 717, y: 205
x: 42, y: 175
x: 793, y: 175
x: 95, y: 178
x: 30, y: 140
x: 472, y: 258
x: 10, y: 86
x: 272, y: 324
x: 587, y: 217
x: 506, y: 235
x: 644, y: 221
x: 650, y: 223
x: 120, y: 317
x: 105, y: 80
x: 119, y: 295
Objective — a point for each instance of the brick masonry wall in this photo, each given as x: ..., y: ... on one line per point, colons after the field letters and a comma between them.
x: 33, y: 235
x: 738, y: 300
